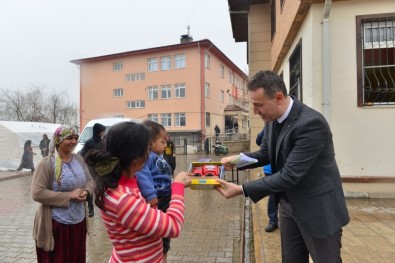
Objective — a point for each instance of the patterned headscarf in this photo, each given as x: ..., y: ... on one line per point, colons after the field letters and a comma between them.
x: 60, y: 134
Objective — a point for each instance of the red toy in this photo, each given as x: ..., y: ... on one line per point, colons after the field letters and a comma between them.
x: 207, y: 170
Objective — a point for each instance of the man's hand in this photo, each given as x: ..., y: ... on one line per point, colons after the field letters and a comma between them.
x: 229, y: 190
x: 227, y: 162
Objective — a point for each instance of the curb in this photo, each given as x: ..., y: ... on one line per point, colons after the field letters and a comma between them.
x: 18, y: 175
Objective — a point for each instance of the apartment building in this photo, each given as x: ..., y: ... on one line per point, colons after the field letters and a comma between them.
x: 187, y: 87
x: 336, y: 57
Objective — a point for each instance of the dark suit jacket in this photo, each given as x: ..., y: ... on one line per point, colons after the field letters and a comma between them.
x: 306, y: 171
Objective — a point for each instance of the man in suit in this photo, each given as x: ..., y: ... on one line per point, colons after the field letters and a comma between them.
x: 306, y: 180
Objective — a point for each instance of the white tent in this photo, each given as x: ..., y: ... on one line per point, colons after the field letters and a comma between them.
x: 14, y: 134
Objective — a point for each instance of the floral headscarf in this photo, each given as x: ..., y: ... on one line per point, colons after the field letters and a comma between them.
x: 60, y: 134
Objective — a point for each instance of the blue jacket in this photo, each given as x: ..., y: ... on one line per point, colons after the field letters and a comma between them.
x: 154, y: 179
x: 267, y: 169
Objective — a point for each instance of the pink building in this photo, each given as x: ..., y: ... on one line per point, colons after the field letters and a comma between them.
x: 186, y: 87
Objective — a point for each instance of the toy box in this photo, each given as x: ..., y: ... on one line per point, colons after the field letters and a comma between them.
x: 206, y: 175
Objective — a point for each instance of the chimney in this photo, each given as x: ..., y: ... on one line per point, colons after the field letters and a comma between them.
x: 186, y: 38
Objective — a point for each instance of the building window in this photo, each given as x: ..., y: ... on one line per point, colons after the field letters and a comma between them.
x: 179, y: 61
x: 180, y: 119
x: 134, y: 77
x: 165, y: 63
x: 166, y: 119
x: 207, y: 61
x: 153, y: 92
x: 166, y: 91
x: 135, y: 104
x: 295, y: 72
x: 208, y: 121
x: 117, y: 92
x: 376, y: 59
x: 221, y: 71
x: 207, y: 90
x: 153, y: 117
x: 152, y: 64
x: 221, y: 96
x: 180, y: 90
x: 118, y: 66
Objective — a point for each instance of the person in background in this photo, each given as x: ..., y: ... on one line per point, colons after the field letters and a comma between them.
x: 27, y: 157
x: 298, y: 144
x: 154, y: 180
x: 93, y: 143
x: 133, y: 226
x: 169, y: 155
x: 217, y: 131
x: 61, y: 185
x: 272, y: 203
x: 44, y: 145
x: 236, y: 126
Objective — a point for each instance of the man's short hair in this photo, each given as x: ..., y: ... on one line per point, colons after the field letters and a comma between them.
x: 269, y: 81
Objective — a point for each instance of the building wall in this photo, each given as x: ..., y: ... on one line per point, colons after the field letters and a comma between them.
x: 259, y: 55
x: 362, y: 136
x: 98, y: 80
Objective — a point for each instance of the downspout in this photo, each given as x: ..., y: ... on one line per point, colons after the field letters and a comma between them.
x: 202, y: 98
x: 326, y: 62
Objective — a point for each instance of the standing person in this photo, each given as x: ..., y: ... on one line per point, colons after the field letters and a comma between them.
x: 272, y: 203
x: 298, y: 145
x: 170, y: 155
x: 217, y: 132
x: 154, y: 180
x: 27, y: 157
x: 236, y: 127
x: 44, y: 145
x: 93, y: 143
x: 133, y: 226
x: 61, y: 184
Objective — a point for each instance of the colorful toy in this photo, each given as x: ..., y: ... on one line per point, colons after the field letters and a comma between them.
x: 207, y: 173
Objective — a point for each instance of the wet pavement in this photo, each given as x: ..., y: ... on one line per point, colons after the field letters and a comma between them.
x: 212, y: 230
x: 213, y: 226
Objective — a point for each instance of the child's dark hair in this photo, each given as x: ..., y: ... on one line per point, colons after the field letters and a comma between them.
x: 125, y: 141
x: 154, y: 128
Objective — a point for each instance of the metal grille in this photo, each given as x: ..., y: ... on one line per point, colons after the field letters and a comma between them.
x: 378, y: 64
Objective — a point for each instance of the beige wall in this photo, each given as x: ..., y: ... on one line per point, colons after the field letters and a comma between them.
x: 363, y: 137
x: 259, y: 55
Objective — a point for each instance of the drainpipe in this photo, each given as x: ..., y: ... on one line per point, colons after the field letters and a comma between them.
x: 326, y: 62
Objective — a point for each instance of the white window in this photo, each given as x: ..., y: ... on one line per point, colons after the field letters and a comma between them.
x: 180, y: 119
x: 117, y: 92
x: 153, y: 92
x: 207, y: 90
x: 221, y: 71
x: 165, y: 63
x: 118, y: 66
x: 221, y: 96
x: 179, y: 61
x: 153, y: 117
x: 166, y: 91
x: 152, y: 64
x: 207, y: 61
x: 208, y: 119
x: 134, y: 77
x: 180, y: 90
x: 166, y: 119
x: 135, y: 104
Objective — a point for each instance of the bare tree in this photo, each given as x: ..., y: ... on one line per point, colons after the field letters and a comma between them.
x: 33, y: 105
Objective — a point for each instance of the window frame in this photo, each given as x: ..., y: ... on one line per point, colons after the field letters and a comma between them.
x: 180, y: 61
x: 166, y: 63
x: 117, y: 90
x: 177, y: 90
x: 117, y: 66
x: 152, y: 90
x: 360, y: 48
x: 167, y: 89
x: 166, y: 117
x: 152, y: 64
x: 135, y: 104
x: 153, y: 117
x: 178, y: 117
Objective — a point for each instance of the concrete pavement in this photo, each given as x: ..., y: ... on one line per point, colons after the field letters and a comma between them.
x: 214, y: 226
